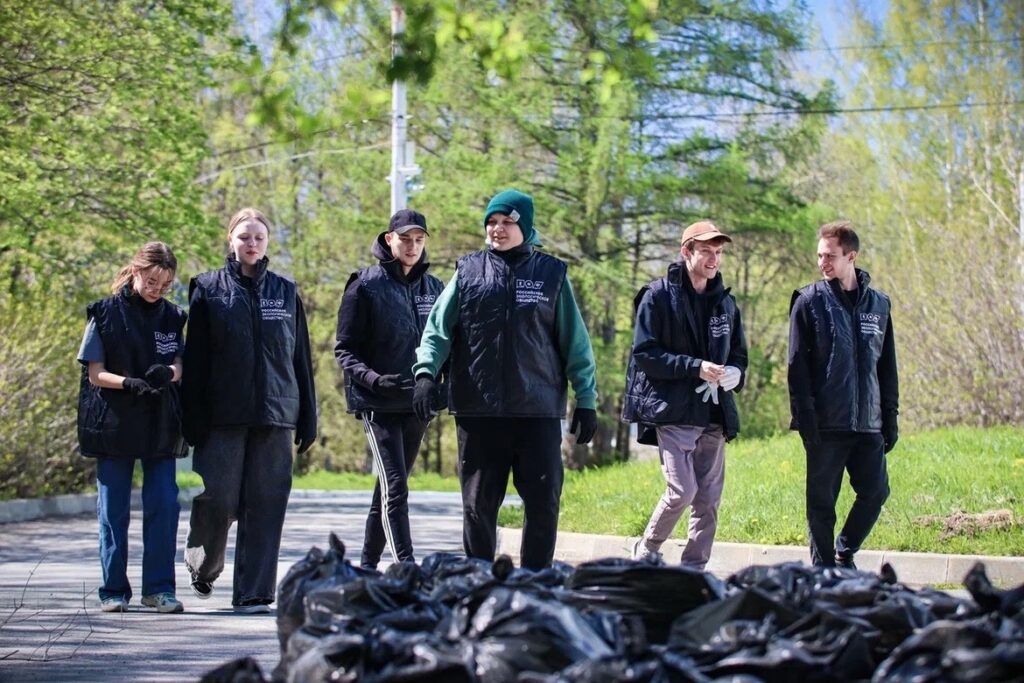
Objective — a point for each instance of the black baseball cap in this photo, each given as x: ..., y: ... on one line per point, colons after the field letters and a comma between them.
x: 405, y: 220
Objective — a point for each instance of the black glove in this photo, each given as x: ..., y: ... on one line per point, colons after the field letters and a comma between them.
x: 584, y: 424
x: 305, y: 442
x: 807, y: 425
x: 159, y: 376
x: 392, y: 386
x: 890, y: 432
x: 138, y: 387
x: 423, y: 397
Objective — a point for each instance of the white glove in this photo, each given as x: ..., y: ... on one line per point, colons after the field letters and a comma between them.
x: 710, y: 390
x: 731, y: 378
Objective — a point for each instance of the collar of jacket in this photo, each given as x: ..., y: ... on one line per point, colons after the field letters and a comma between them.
x: 863, y: 281
x: 515, y: 254
x: 235, y: 270
x: 714, y: 290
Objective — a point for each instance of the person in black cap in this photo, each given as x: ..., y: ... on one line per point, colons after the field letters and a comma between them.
x: 382, y: 314
x: 510, y: 323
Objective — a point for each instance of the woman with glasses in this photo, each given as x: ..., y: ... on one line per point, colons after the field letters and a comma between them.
x: 128, y: 410
x: 247, y: 385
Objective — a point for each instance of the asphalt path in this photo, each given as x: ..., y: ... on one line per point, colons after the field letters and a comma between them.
x: 51, y: 627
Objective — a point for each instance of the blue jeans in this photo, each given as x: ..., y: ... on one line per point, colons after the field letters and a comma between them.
x: 160, y: 511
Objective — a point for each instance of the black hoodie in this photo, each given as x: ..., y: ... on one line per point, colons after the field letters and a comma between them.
x: 380, y: 320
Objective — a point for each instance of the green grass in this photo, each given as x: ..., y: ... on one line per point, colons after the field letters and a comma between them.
x: 931, y: 473
x: 345, y: 481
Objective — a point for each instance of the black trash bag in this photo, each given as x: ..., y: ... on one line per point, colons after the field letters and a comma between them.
x: 754, y: 607
x: 448, y: 578
x: 623, y: 670
x: 416, y: 658
x: 243, y: 670
x: 514, y: 631
x: 797, y: 583
x: 373, y: 600
x: 656, y: 594
x: 317, y: 570
x: 974, y: 651
x: 335, y: 657
x: 554, y: 576
x: 988, y: 597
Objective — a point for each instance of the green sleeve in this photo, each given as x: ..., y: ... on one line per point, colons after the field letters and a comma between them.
x: 574, y: 345
x: 436, y: 342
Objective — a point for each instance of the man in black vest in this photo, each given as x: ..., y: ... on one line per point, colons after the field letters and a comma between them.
x: 688, y: 344
x: 381, y: 317
x: 510, y: 323
x: 843, y: 394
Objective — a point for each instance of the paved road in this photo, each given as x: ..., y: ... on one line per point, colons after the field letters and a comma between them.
x: 51, y: 628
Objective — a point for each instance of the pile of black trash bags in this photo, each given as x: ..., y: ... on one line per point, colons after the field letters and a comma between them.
x: 456, y: 619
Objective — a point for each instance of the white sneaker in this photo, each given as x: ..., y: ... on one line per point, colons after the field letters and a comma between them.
x: 165, y: 603
x: 114, y: 605
x: 641, y: 553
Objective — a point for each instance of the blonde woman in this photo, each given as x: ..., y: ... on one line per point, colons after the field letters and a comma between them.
x: 248, y: 387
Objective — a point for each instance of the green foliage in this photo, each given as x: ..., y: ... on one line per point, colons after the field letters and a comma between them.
x: 932, y: 475
x: 934, y: 183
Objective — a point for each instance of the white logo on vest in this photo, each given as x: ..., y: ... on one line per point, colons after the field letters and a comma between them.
x: 530, y: 291
x: 166, y: 342
x: 273, y: 309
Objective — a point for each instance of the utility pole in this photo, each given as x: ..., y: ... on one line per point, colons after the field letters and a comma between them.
x: 403, y: 165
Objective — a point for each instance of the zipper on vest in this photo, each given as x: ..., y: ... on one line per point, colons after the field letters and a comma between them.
x: 257, y: 343
x: 855, y: 328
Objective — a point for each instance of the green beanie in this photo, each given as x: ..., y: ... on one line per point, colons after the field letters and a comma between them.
x: 521, y: 204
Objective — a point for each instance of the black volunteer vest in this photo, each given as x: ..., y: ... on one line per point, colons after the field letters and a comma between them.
x: 250, y: 380
x: 398, y: 314
x: 505, y: 356
x: 114, y: 422
x: 845, y: 351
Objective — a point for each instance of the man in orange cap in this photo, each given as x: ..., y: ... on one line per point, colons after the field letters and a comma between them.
x: 689, y: 356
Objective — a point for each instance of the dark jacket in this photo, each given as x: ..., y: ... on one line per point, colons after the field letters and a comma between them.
x: 380, y: 320
x: 842, y: 357
x: 505, y: 359
x: 115, y: 422
x: 664, y: 366
x: 247, y: 359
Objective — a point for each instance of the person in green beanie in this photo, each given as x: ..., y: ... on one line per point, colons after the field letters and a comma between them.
x: 509, y: 322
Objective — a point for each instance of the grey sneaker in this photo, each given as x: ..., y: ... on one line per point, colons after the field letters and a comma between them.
x: 165, y: 603
x: 253, y: 608
x: 642, y: 553
x: 114, y: 604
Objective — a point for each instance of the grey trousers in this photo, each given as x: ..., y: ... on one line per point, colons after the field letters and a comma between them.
x: 247, y: 477
x: 693, y: 463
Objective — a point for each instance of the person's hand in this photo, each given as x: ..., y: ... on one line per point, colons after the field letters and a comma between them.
x: 584, y: 424
x: 890, y: 432
x: 730, y: 378
x: 392, y: 386
x: 304, y: 442
x: 138, y: 387
x: 711, y: 372
x: 159, y: 376
x: 423, y: 397
x: 807, y: 426
x: 710, y: 390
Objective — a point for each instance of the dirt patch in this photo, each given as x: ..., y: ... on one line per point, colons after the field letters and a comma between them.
x: 961, y: 523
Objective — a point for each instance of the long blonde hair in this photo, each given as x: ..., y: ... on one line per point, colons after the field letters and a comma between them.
x: 151, y: 255
x: 247, y: 214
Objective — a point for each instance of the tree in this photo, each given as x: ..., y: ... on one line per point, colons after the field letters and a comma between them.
x: 100, y: 142
x: 935, y: 179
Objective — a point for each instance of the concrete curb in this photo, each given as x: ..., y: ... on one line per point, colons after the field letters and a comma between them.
x: 28, y: 509
x: 913, y: 569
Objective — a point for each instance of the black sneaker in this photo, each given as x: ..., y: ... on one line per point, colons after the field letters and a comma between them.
x: 845, y: 562
x: 201, y: 589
